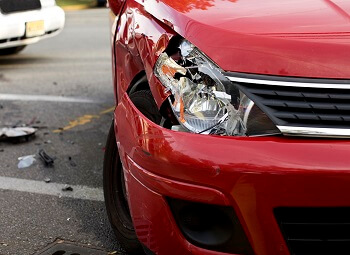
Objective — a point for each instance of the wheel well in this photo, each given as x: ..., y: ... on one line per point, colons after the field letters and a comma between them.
x: 139, y: 82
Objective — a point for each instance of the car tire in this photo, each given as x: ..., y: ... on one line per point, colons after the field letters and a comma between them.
x: 114, y: 184
x: 144, y: 102
x: 115, y: 198
x: 12, y: 50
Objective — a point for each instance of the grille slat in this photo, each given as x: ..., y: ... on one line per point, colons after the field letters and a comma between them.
x: 11, y: 6
x: 302, y: 93
x: 309, y: 231
x: 312, y: 116
x: 288, y: 104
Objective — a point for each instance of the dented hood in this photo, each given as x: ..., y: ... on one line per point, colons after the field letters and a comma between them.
x: 290, y: 37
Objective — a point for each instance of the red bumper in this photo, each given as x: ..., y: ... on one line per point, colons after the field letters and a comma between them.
x: 253, y: 175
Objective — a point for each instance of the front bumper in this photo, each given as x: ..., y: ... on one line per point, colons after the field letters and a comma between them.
x: 252, y: 175
x: 12, y: 26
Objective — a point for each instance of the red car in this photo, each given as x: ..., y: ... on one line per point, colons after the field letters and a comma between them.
x: 231, y: 128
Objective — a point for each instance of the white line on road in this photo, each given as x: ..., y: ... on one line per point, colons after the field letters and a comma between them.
x: 53, y: 189
x: 46, y: 98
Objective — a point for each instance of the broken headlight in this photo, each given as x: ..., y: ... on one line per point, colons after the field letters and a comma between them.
x: 204, y: 100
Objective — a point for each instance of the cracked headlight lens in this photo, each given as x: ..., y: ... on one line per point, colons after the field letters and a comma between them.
x: 204, y: 100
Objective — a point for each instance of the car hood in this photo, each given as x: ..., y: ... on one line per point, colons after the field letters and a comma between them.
x: 290, y: 37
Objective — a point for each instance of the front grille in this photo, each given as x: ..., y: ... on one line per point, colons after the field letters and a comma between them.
x: 311, y: 231
x: 296, y: 102
x: 11, y: 6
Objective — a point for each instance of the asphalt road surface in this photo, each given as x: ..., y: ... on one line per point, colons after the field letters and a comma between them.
x: 63, y: 86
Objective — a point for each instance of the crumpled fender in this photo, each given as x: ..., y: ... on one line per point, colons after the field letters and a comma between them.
x: 139, y: 41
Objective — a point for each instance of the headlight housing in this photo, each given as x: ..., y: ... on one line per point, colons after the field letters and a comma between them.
x: 204, y: 100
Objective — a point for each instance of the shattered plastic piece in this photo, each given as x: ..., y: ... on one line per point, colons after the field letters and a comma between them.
x: 67, y: 188
x: 16, y: 132
x: 26, y: 161
x: 46, y: 158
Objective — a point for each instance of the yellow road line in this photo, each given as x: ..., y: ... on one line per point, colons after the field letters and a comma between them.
x: 80, y: 121
x: 107, y: 110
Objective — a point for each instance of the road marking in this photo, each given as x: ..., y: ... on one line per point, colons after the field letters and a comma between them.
x: 83, y: 120
x: 44, y: 98
x: 107, y: 110
x: 52, y: 189
x: 78, y: 122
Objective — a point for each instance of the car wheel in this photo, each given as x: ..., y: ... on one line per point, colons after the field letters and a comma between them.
x: 143, y: 100
x: 12, y: 50
x: 114, y: 184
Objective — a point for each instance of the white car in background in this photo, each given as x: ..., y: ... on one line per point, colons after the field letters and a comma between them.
x: 23, y: 22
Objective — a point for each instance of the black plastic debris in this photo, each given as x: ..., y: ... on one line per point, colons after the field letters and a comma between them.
x: 67, y: 188
x: 71, y: 162
x: 48, y: 161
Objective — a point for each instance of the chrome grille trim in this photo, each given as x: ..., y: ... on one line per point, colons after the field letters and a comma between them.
x: 315, y: 132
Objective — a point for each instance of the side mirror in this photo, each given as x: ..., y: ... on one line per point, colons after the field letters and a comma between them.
x: 115, y: 5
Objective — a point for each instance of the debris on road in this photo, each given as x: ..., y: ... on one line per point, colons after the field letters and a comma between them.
x: 15, y: 133
x: 47, y: 180
x: 48, y: 161
x: 67, y: 188
x: 26, y: 161
x: 72, y: 163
